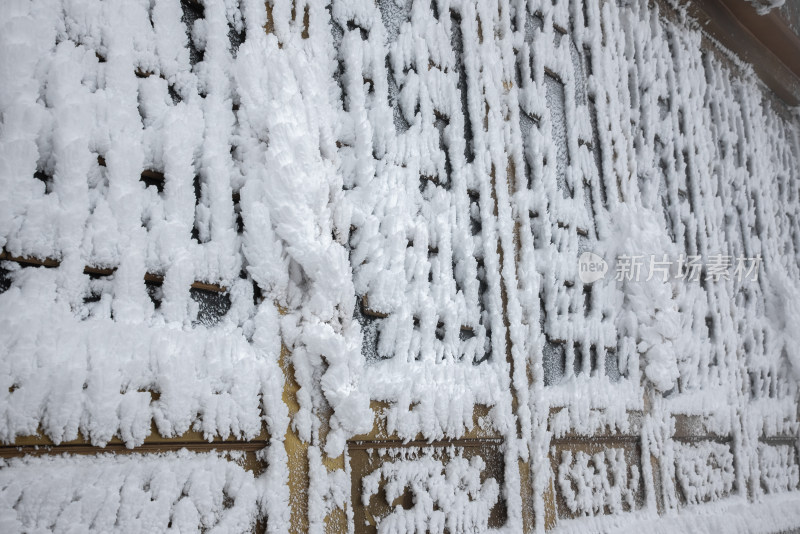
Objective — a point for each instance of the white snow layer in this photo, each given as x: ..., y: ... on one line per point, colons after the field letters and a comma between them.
x: 170, y: 492
x: 412, y: 184
x: 448, y: 498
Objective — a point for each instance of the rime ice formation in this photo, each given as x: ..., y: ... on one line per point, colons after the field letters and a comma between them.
x: 93, y: 95
x: 107, y: 493
x: 765, y: 6
x: 445, y: 499
x: 398, y: 193
x: 588, y: 487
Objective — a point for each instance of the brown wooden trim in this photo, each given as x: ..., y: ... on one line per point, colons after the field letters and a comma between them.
x: 771, y: 30
x: 387, y: 443
x: 145, y: 448
x: 99, y: 271
x: 103, y: 271
x: 779, y: 440
x: 209, y: 287
x: 764, y: 41
x: 190, y: 436
x: 697, y: 439
x: 605, y: 440
x: 27, y: 260
x: 191, y: 440
x: 380, y: 431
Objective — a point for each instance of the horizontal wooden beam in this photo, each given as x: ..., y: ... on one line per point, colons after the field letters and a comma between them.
x: 191, y: 440
x: 604, y: 440
x: 779, y: 440
x: 766, y: 42
x: 145, y: 448
x: 41, y: 440
x: 695, y: 439
x: 25, y: 260
x: 391, y: 443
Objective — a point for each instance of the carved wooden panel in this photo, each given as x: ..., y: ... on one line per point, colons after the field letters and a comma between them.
x: 597, y: 476
x: 427, y: 486
x: 778, y: 466
x: 704, y: 470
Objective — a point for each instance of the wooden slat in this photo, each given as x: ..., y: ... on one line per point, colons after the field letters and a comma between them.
x: 698, y: 439
x: 192, y: 440
x: 27, y: 260
x: 779, y: 440
x: 193, y: 436
x: 392, y: 444
x: 99, y: 271
x: 38, y: 450
x: 600, y: 440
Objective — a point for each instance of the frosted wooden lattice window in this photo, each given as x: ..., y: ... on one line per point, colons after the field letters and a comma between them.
x: 562, y: 170
x: 428, y: 155
x: 712, y: 156
x: 672, y: 181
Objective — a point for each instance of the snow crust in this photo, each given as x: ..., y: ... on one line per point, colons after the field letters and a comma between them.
x: 171, y: 492
x: 94, y: 95
x: 672, y: 150
x: 397, y: 193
